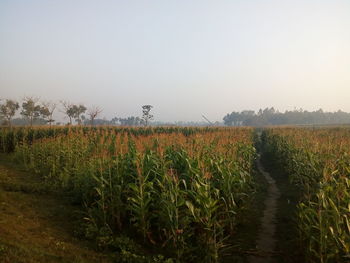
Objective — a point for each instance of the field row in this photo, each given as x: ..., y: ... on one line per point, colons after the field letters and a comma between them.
x: 180, y: 191
x: 319, y: 162
x: 176, y: 190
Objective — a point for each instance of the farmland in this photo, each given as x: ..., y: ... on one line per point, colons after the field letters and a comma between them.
x: 175, y: 189
x: 180, y: 194
x: 317, y: 160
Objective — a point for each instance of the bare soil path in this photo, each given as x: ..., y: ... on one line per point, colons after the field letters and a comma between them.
x: 266, y: 241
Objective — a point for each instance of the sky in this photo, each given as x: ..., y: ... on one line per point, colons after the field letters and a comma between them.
x: 184, y: 57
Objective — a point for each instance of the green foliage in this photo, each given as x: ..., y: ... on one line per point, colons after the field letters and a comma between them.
x: 8, y: 110
x: 30, y: 109
x: 174, y: 190
x: 146, y: 116
x: 318, y: 161
x: 270, y: 116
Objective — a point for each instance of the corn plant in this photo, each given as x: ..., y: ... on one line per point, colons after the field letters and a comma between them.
x: 177, y: 189
x: 318, y: 161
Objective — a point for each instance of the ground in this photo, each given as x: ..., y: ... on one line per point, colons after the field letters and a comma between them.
x: 37, y: 225
x: 288, y: 247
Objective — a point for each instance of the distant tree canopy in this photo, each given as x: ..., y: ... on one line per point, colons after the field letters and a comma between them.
x: 31, y: 110
x: 146, y: 116
x: 35, y: 112
x: 8, y: 110
x: 74, y: 111
x: 270, y: 116
x: 129, y: 121
x: 25, y: 121
x: 47, y: 110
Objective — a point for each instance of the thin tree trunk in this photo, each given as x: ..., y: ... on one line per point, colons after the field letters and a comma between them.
x: 50, y: 120
x: 9, y: 121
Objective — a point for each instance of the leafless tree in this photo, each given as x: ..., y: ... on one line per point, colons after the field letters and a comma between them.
x: 93, y: 112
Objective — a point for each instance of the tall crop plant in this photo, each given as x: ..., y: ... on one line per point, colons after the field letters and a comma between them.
x: 318, y: 161
x: 173, y: 189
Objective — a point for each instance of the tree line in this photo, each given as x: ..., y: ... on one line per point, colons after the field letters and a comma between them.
x: 270, y: 116
x: 35, y: 112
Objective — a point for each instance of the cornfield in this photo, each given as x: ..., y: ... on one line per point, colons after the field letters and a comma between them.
x: 175, y: 190
x: 318, y: 161
x: 180, y: 191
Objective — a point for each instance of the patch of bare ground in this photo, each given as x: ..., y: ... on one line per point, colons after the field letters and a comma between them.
x: 266, y: 241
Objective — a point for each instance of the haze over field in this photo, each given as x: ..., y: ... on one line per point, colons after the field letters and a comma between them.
x: 186, y: 58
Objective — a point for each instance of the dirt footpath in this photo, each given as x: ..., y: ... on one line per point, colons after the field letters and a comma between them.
x: 266, y: 241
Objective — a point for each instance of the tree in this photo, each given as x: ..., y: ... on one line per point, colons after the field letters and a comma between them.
x: 73, y: 111
x: 93, y: 112
x: 78, y: 111
x: 232, y: 119
x: 270, y: 116
x: 8, y: 110
x: 115, y: 121
x: 146, y: 116
x: 30, y: 109
x: 47, y: 110
x: 68, y: 110
x: 129, y: 121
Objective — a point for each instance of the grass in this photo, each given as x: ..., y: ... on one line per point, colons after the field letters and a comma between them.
x: 37, y: 225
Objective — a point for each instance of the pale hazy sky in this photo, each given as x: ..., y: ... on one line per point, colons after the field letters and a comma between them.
x: 184, y: 57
